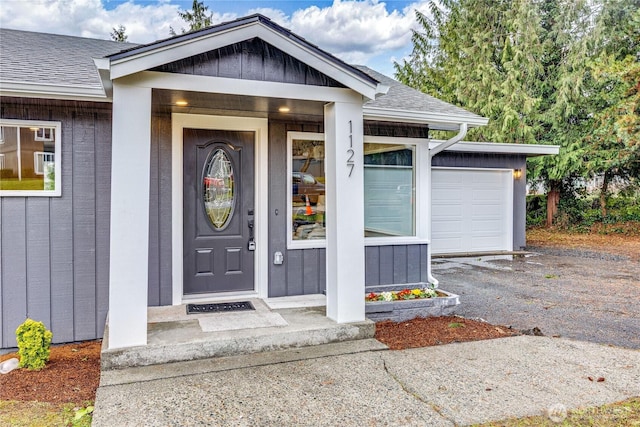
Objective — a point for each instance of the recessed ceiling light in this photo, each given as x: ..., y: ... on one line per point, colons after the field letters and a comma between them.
x: 284, y: 109
x: 182, y: 103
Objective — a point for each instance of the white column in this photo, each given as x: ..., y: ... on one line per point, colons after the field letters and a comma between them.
x: 129, y: 252
x: 345, y: 211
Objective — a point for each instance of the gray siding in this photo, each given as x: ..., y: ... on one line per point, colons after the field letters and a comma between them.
x: 54, y: 251
x: 250, y: 60
x: 160, y: 283
x: 304, y: 270
x: 503, y: 161
x: 397, y: 264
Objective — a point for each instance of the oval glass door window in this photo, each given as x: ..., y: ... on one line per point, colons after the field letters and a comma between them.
x: 219, y: 191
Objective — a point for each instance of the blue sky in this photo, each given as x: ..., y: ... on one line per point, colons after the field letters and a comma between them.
x: 369, y: 32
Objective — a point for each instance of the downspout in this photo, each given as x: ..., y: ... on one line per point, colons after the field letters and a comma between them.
x: 448, y: 143
x: 443, y: 146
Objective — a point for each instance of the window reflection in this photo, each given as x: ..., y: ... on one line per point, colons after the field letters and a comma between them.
x: 389, y: 190
x: 218, y: 186
x: 27, y: 158
x: 307, y: 189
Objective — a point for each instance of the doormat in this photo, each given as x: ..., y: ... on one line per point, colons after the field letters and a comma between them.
x: 221, y: 307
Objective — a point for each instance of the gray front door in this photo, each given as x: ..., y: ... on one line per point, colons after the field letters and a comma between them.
x: 218, y: 211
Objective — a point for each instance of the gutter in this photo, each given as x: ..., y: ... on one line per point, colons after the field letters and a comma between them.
x: 448, y: 143
x: 432, y: 152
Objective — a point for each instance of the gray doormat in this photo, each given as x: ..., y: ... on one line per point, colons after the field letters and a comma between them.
x: 221, y: 307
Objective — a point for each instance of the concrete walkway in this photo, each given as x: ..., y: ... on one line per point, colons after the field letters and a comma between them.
x: 358, y: 383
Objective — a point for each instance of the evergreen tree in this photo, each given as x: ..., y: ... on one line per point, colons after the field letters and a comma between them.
x: 118, y: 34
x: 543, y: 71
x: 197, y: 17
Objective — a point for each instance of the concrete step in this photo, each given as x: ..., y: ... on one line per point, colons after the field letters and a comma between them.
x: 175, y: 337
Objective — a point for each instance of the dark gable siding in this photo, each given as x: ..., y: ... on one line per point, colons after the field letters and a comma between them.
x: 501, y: 161
x: 250, y: 60
x: 54, y: 251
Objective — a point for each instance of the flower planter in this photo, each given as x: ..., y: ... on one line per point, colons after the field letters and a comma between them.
x: 402, y: 310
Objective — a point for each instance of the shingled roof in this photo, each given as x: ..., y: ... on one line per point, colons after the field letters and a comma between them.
x: 52, y: 61
x: 39, y: 64
x: 405, y: 98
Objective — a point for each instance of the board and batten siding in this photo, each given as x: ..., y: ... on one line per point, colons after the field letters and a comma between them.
x: 250, y: 60
x: 500, y: 161
x: 54, y: 251
x: 160, y: 282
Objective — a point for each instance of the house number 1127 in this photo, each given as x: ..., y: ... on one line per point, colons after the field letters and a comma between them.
x: 350, y: 152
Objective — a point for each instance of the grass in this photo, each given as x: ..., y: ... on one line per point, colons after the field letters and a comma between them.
x: 32, y: 414
x: 25, y: 184
x: 36, y: 414
x: 625, y: 413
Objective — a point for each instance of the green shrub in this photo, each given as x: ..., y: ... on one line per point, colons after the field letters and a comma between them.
x: 34, y: 342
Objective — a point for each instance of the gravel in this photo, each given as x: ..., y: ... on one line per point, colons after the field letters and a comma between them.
x: 569, y: 293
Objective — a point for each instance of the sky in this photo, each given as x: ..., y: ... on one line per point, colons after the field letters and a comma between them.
x: 367, y: 32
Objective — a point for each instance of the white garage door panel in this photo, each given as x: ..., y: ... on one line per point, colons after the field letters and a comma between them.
x: 471, y: 210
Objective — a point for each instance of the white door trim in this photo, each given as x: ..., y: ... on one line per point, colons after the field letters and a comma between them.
x: 180, y: 121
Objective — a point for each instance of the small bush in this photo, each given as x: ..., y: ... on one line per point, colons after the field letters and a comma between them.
x: 34, y: 342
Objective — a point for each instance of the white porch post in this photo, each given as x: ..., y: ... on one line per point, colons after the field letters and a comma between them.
x: 345, y: 210
x: 129, y: 252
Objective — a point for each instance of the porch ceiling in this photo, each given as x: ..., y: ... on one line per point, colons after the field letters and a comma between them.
x: 239, y: 105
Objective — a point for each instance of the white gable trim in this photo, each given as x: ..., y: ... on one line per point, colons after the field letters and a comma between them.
x: 149, y: 59
x: 446, y: 120
x: 500, y: 148
x: 158, y: 80
x: 42, y: 90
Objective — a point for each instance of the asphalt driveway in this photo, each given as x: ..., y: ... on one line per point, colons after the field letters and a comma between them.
x: 566, y: 293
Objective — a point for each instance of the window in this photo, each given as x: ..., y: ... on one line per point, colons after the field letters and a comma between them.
x: 43, y: 134
x: 306, y: 192
x: 389, y: 190
x: 30, y: 153
x: 41, y: 161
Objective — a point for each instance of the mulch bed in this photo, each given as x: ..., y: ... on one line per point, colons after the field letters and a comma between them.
x: 429, y: 331
x: 71, y: 375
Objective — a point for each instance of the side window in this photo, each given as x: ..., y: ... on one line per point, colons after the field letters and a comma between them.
x: 389, y: 190
x: 306, y: 190
x: 30, y: 158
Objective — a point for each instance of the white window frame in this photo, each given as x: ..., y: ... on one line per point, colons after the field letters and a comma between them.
x: 1, y: 161
x: 39, y: 159
x: 423, y: 184
x: 299, y: 244
x: 422, y: 199
x: 56, y: 128
x: 44, y: 137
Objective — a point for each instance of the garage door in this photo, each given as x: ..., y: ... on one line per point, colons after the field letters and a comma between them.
x: 472, y: 210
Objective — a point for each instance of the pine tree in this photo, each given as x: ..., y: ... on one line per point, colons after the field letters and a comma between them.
x: 197, y: 17
x: 118, y: 34
x: 543, y: 71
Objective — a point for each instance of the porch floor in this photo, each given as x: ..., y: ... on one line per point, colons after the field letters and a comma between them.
x: 276, y: 324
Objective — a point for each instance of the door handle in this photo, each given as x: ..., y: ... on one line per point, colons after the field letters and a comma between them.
x: 252, y: 243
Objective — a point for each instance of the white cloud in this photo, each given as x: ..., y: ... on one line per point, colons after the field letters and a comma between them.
x: 355, y: 31
x: 89, y: 18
